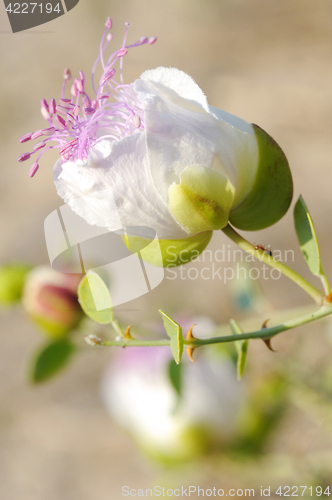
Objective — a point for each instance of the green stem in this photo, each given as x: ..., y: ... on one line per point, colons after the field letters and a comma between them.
x: 117, y: 327
x: 136, y: 342
x: 325, y: 282
x: 263, y: 256
x: 264, y: 333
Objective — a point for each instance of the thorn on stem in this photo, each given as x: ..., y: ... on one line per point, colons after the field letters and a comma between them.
x: 267, y: 342
x: 190, y: 350
x: 127, y: 335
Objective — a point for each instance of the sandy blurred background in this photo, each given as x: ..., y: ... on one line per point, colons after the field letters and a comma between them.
x: 268, y: 61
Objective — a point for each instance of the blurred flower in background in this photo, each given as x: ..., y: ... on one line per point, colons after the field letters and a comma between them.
x: 179, y: 412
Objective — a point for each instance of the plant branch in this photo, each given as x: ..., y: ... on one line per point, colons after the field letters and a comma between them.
x: 263, y: 256
x: 264, y: 333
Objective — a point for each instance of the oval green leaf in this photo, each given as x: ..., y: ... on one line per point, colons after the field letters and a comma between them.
x: 95, y: 298
x: 51, y: 359
x: 306, y: 234
x: 174, y: 331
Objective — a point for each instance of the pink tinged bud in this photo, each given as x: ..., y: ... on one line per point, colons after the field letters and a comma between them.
x: 39, y: 145
x: 109, y: 37
x: 74, y: 90
x: 80, y: 85
x: 33, y: 169
x: 65, y: 157
x: 37, y: 134
x: 50, y: 298
x: 127, y: 24
x: 48, y: 131
x: 67, y: 74
x: 45, y: 113
x: 52, y: 106
x: 136, y: 121
x: 152, y: 40
x: 82, y: 76
x: 143, y: 39
x: 60, y: 121
x: 24, y: 156
x: 76, y: 111
x: 122, y: 52
x: 43, y: 102
x: 89, y: 111
x: 108, y: 23
x: 26, y: 137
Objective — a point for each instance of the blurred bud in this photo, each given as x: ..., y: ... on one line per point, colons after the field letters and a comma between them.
x: 50, y: 299
x: 12, y: 277
x: 169, y: 426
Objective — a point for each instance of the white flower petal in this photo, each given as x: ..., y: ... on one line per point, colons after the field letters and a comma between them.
x: 173, y: 84
x: 119, y: 172
x: 178, y: 138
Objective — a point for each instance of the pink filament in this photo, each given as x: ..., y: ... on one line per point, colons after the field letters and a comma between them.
x: 114, y: 112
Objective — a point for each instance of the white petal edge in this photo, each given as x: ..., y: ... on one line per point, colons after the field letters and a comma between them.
x: 172, y: 81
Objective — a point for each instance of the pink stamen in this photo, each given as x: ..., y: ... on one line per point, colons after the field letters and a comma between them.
x: 45, y: 113
x: 73, y: 90
x: 136, y: 121
x: 89, y: 111
x: 80, y: 85
x: 60, y: 121
x: 24, y: 156
x: 39, y: 145
x: 110, y: 115
x: 26, y: 137
x: 67, y: 74
x: 33, y: 169
x: 48, y: 131
x: 122, y: 52
x: 62, y: 110
x: 152, y: 40
x: 52, y: 106
x: 86, y: 101
x: 37, y: 134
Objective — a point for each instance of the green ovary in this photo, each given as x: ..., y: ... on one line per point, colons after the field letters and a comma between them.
x: 202, y: 200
